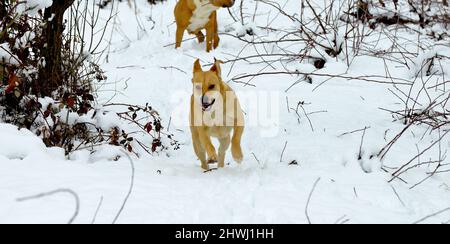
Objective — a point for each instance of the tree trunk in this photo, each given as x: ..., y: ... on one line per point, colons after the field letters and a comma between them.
x: 3, y: 11
x: 52, y: 75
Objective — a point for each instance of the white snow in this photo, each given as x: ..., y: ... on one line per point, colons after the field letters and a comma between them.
x: 32, y: 7
x: 171, y: 188
x: 6, y: 54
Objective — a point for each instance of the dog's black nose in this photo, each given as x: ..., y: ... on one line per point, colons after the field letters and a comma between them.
x: 205, y: 100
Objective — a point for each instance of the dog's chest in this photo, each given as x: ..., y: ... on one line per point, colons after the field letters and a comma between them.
x: 218, y: 127
x: 220, y: 131
x: 201, y: 15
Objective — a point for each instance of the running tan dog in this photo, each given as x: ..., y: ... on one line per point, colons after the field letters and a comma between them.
x: 196, y: 15
x: 215, y: 112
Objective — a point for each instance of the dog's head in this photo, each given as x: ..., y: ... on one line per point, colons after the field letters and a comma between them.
x: 223, y: 3
x: 208, y: 87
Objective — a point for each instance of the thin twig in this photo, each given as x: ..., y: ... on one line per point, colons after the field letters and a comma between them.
x: 130, y: 190
x: 282, y: 153
x: 398, y: 196
x: 97, y: 210
x: 62, y: 190
x: 361, y: 145
x: 309, y: 200
x: 431, y: 215
x: 257, y: 160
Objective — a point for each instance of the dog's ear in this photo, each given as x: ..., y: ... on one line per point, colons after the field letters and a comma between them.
x: 216, y: 67
x: 197, y: 66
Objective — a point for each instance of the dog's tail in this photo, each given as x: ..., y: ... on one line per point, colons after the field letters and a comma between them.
x: 236, y: 150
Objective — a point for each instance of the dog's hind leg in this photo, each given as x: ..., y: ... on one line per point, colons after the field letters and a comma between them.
x: 179, y: 37
x: 210, y: 29
x: 224, y: 146
x: 200, y: 36
x: 216, y: 31
x: 209, y: 40
x: 236, y: 149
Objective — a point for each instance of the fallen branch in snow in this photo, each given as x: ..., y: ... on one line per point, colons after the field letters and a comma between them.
x: 398, y: 196
x: 257, y: 160
x: 130, y: 190
x: 360, y: 154
x: 439, y: 165
x: 402, y: 170
x: 309, y: 200
x: 342, y: 220
x: 282, y: 153
x: 97, y: 210
x: 355, y: 131
x: 399, y: 81
x: 174, y: 68
x: 431, y: 216
x: 299, y: 106
x: 425, y: 107
x: 51, y: 193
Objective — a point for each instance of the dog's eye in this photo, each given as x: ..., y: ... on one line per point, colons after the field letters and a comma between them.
x: 211, y: 87
x: 198, y: 87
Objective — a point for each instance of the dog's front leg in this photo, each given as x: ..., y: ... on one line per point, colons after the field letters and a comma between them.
x: 208, y: 146
x: 198, y: 148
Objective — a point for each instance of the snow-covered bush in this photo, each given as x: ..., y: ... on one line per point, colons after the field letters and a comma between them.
x: 47, y: 75
x: 104, y: 3
x: 432, y: 15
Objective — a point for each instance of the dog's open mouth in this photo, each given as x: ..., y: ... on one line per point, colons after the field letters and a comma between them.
x: 207, y: 106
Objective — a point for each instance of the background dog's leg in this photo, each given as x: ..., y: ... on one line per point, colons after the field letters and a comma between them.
x: 209, y: 40
x: 179, y: 37
x: 236, y: 149
x: 209, y: 33
x: 215, y: 31
x: 200, y: 37
x: 224, y: 146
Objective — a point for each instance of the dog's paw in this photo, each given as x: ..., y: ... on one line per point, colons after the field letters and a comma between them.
x: 239, y: 160
x: 212, y: 159
x: 205, y: 166
x: 238, y: 156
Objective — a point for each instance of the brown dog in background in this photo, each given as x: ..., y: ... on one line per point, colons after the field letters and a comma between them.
x: 196, y: 15
x: 215, y: 113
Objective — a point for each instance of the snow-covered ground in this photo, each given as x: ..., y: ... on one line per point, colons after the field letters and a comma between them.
x: 143, y: 66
